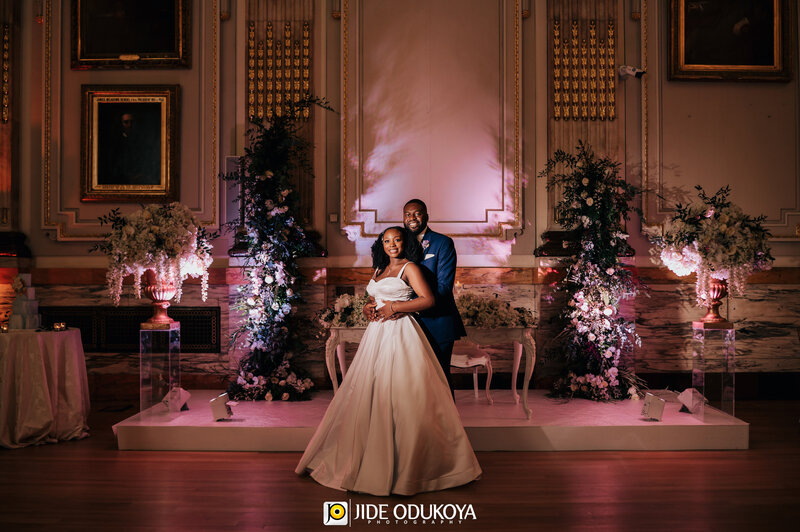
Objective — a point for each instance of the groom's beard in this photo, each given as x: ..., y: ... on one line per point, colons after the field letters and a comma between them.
x: 419, y: 230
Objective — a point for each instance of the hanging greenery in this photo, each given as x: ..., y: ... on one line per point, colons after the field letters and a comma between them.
x: 596, y: 202
x: 272, y: 239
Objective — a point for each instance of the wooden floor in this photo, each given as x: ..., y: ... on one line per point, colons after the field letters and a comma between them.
x: 90, y: 485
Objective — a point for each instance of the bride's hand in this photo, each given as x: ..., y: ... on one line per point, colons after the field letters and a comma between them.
x: 369, y: 310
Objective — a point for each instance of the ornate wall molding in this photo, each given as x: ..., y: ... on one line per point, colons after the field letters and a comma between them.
x: 9, y: 155
x: 64, y: 217
x: 382, y: 128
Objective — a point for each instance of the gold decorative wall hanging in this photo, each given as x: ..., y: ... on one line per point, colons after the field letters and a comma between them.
x: 279, y: 71
x: 278, y: 57
x: 583, y: 71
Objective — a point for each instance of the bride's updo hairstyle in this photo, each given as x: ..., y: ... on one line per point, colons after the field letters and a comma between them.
x: 412, y: 249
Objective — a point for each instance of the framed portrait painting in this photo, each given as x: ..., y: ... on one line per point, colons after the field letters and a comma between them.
x: 747, y: 40
x: 129, y: 138
x: 131, y: 34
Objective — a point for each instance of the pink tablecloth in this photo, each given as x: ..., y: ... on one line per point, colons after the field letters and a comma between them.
x: 44, y: 393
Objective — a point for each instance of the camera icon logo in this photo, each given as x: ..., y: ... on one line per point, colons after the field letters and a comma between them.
x: 334, y: 513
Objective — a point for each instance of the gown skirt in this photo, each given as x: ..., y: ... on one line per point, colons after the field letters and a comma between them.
x: 392, y: 428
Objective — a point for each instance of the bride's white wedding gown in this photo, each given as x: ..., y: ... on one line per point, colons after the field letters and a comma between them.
x: 392, y: 427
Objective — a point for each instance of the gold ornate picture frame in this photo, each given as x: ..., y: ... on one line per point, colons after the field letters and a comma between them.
x: 746, y: 40
x: 131, y: 34
x: 129, y: 138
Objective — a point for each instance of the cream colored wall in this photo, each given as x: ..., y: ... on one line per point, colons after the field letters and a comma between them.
x: 56, y: 222
x: 397, y: 121
x: 743, y: 133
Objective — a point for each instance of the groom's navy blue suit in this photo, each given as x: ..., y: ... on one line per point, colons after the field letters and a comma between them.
x: 442, y: 323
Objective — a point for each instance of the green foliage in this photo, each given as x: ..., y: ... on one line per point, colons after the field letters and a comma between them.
x: 596, y: 203
x: 275, y: 153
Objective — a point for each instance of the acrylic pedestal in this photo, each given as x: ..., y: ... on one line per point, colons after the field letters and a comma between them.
x: 159, y: 370
x: 714, y: 366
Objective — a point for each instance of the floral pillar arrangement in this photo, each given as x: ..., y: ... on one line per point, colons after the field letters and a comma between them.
x: 713, y: 238
x: 272, y: 240
x: 162, y: 243
x: 595, y: 204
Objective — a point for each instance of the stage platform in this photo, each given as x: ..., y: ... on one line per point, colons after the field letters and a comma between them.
x: 556, y: 425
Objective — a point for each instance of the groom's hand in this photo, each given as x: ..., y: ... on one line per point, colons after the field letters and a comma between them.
x: 397, y: 316
x: 369, y: 310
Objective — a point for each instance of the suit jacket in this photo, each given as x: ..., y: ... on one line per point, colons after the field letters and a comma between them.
x: 442, y: 321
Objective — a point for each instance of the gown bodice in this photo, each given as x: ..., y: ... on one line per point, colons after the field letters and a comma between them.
x: 390, y: 289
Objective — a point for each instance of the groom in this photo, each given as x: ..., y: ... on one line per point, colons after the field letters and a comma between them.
x: 442, y: 323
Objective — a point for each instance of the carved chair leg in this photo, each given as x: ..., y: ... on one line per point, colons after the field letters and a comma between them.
x: 489, y: 380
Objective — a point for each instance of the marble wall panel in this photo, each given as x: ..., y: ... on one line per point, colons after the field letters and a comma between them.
x: 767, y: 320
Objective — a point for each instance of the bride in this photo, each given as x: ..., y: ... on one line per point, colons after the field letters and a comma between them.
x: 393, y: 428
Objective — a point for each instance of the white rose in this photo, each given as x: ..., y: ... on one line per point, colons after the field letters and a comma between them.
x: 268, y: 279
x: 589, y: 201
x: 592, y: 337
x: 610, y: 271
x: 608, y: 311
